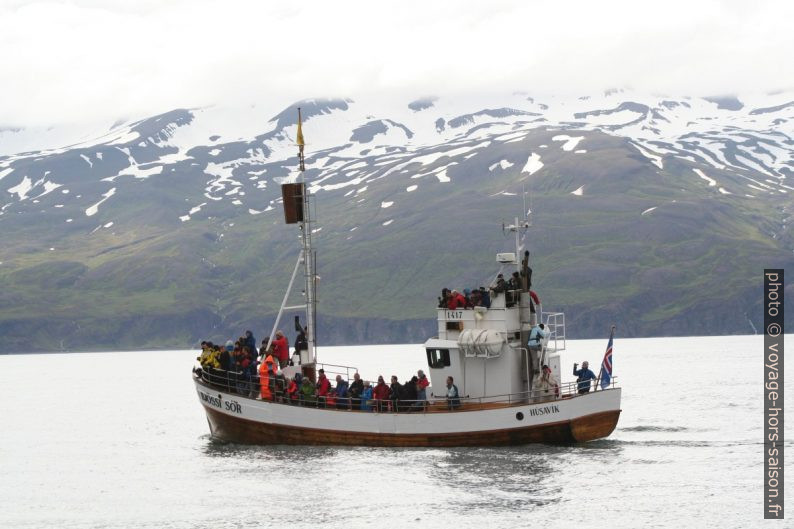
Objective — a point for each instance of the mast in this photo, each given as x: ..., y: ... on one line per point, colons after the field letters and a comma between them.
x: 310, y: 279
x: 297, y: 210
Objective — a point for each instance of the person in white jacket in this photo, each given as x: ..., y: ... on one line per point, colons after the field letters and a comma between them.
x: 548, y: 387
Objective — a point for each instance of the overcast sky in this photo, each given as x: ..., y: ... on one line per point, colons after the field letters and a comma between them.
x: 99, y: 59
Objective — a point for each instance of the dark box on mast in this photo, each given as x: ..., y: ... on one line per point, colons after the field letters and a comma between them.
x: 292, y: 195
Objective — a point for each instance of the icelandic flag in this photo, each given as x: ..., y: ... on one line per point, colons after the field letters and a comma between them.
x: 606, y: 365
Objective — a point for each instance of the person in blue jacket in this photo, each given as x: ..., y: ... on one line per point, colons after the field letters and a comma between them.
x: 366, y: 396
x: 536, y: 336
x: 342, y: 397
x: 584, y: 377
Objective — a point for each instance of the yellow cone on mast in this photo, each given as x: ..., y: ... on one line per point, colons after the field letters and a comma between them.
x: 300, y: 140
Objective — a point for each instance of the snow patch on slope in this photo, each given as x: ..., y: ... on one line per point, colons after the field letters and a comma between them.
x: 92, y: 210
x: 22, y: 189
x: 570, y: 141
x: 533, y: 164
x: 504, y: 164
x: 711, y: 181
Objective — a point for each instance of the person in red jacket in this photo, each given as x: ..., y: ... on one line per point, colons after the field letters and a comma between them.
x: 281, y: 349
x: 380, y: 393
x: 456, y: 301
x: 292, y: 389
x: 323, y: 385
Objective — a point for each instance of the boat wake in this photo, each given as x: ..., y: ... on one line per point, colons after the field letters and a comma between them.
x: 658, y: 429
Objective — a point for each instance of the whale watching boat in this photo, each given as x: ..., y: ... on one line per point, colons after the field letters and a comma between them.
x: 501, y: 398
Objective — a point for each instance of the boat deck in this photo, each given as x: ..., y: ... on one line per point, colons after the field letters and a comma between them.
x: 250, y: 390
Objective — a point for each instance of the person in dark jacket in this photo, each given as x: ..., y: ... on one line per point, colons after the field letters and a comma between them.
x: 443, y: 300
x: 395, y: 393
x: 584, y: 377
x: 410, y: 393
x: 356, y: 387
x: 249, y: 341
x: 474, y: 298
x: 515, y: 282
x: 499, y: 284
x: 485, y: 298
x: 453, y: 397
x: 301, y: 342
x: 513, y: 287
x: 227, y: 361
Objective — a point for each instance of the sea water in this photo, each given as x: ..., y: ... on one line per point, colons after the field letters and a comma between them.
x: 99, y: 440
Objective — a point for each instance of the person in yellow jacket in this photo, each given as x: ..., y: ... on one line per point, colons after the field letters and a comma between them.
x: 205, y: 353
x: 215, y: 358
x: 209, y: 356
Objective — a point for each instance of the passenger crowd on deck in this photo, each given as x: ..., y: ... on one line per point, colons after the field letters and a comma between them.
x: 258, y: 373
x: 237, y: 367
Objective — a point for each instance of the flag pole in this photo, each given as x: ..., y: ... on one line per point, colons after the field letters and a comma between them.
x: 598, y: 380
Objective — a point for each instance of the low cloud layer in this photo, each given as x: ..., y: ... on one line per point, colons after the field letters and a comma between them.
x: 89, y: 59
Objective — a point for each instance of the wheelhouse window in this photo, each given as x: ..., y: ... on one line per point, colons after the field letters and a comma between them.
x: 437, y: 358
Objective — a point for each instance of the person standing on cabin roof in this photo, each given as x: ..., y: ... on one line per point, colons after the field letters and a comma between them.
x: 456, y: 301
x: 498, y: 286
x: 474, y: 298
x: 584, y: 377
x: 515, y: 282
x: 513, y: 287
x: 536, y: 337
x: 443, y: 300
x: 281, y: 348
x: 453, y: 397
x: 485, y: 298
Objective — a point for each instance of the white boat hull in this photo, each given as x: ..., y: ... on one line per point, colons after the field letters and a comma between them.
x: 576, y: 419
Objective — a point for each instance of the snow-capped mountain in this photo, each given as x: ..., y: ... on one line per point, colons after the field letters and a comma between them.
x: 681, y: 173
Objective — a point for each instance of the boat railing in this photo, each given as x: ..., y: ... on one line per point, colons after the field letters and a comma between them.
x: 248, y: 387
x: 555, y: 324
x: 347, y: 372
